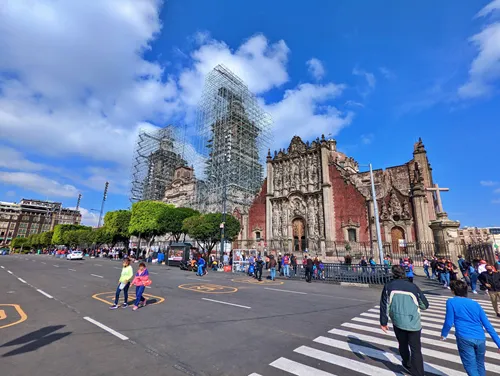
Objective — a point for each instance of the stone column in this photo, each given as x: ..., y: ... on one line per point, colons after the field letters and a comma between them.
x: 269, y: 212
x: 445, y: 236
x: 421, y: 210
x: 326, y: 187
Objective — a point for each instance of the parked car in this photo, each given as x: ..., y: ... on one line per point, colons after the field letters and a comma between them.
x: 4, y: 251
x: 75, y: 255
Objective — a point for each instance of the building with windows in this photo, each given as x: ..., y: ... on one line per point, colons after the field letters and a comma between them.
x: 469, y: 235
x: 30, y: 217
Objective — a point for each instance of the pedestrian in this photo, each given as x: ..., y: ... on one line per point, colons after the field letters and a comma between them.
x: 280, y: 261
x: 373, y: 264
x: 473, y: 276
x: 401, y: 301
x: 363, y: 263
x: 272, y: 266
x: 294, y: 265
x: 124, y: 284
x: 260, y: 266
x: 309, y: 269
x: 201, y: 265
x: 286, y: 266
x: 434, y: 263
x: 462, y: 265
x: 444, y: 273
x: 140, y: 281
x: 408, y: 269
x: 491, y: 280
x: 426, y: 268
x: 469, y: 318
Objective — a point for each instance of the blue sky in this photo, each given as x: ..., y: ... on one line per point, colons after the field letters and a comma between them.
x: 79, y: 78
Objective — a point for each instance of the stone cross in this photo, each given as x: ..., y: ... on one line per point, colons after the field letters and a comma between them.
x: 438, y: 191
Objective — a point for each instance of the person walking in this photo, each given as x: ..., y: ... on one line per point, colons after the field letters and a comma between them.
x: 469, y: 318
x: 272, y: 266
x: 401, y: 301
x: 286, y: 266
x: 294, y: 264
x: 426, y: 268
x: 140, y: 281
x: 473, y: 276
x: 434, y: 263
x: 462, y: 265
x: 408, y: 269
x: 309, y: 269
x: 491, y: 280
x: 123, y: 284
x: 201, y: 265
x: 260, y: 265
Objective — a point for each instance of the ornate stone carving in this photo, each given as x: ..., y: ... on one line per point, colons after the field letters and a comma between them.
x: 384, y: 214
x: 394, y: 205
x: 406, y: 210
x: 314, y: 172
x: 296, y: 146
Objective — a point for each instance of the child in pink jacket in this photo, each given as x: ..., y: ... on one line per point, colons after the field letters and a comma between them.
x: 140, y: 281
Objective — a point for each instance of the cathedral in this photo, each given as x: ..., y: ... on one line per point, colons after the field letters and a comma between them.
x: 314, y: 197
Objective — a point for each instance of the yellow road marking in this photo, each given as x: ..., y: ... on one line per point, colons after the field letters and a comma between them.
x: 109, y: 297
x: 208, y: 288
x: 23, y: 316
x: 2, y: 314
x: 254, y: 281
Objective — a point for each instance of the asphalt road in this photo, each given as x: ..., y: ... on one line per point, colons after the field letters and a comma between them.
x: 221, y: 324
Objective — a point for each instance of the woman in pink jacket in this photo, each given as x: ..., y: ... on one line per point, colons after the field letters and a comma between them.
x: 140, y: 281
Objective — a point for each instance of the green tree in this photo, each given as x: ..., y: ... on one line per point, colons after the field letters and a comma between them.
x: 117, y: 225
x: 19, y: 242
x: 101, y: 236
x: 205, y: 229
x: 46, y: 238
x: 70, y: 238
x: 173, y: 221
x: 146, y: 220
x: 59, y: 230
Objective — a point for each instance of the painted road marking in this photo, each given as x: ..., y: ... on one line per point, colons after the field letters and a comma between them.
x: 97, y: 264
x: 44, y: 263
x: 73, y: 270
x: 44, y: 293
x: 116, y: 267
x: 208, y: 288
x: 56, y: 266
x: 20, y: 312
x: 106, y: 328
x: 98, y: 276
x: 254, y: 281
x: 153, y: 273
x: 255, y: 374
x: 231, y: 304
x: 109, y: 298
x: 198, y: 279
x: 298, y: 369
x: 22, y: 280
x: 293, y: 292
x: 2, y: 267
x: 8, y: 271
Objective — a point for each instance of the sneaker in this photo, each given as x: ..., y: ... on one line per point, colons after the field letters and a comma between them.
x: 474, y: 292
x: 448, y: 287
x: 114, y: 306
x: 135, y: 308
x: 124, y: 305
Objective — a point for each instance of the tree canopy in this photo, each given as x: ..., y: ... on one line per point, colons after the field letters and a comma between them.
x: 205, y: 229
x: 117, y: 225
x: 59, y: 230
x: 101, y: 236
x: 173, y: 220
x: 147, y: 219
x: 20, y: 242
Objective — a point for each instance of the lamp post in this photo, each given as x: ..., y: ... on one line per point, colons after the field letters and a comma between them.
x: 225, y: 172
x: 377, y: 221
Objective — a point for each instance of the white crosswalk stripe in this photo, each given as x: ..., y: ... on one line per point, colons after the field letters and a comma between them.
x: 360, y: 347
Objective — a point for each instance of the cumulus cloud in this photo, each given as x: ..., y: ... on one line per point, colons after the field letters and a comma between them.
x: 37, y: 183
x: 316, y: 68
x: 14, y: 160
x: 485, y: 68
x: 387, y: 73
x: 89, y: 218
x: 371, y: 81
x: 304, y: 112
x: 488, y: 183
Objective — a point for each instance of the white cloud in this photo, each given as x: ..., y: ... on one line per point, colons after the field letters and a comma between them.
x: 89, y: 218
x: 37, y: 183
x: 316, y: 68
x: 14, y: 160
x: 488, y: 183
x: 367, y: 139
x: 371, y: 81
x: 304, y: 112
x: 485, y: 68
x: 387, y: 73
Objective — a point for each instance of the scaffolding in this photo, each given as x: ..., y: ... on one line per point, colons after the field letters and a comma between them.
x: 234, y: 134
x: 156, y: 156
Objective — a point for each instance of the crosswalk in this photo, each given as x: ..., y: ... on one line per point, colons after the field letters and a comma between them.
x: 361, y: 347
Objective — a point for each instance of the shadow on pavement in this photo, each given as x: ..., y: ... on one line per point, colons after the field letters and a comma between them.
x: 354, y: 342
x: 35, y: 340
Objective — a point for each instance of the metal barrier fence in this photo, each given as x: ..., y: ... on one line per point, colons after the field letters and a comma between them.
x: 480, y: 251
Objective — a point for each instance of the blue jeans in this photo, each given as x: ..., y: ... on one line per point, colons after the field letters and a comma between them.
x: 445, y: 278
x: 286, y: 270
x: 273, y: 273
x: 139, y: 290
x: 472, y: 355
x: 200, y: 270
x: 426, y: 271
x: 473, y: 281
x: 125, y: 293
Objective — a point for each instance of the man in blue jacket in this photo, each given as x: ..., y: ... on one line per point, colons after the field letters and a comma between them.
x: 402, y: 301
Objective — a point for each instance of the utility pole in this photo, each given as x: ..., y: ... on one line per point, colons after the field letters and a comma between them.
x: 102, y: 204
x: 377, y: 221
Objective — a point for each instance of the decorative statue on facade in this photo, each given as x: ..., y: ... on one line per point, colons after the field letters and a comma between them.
x: 395, y: 205
x: 384, y: 215
x: 406, y: 210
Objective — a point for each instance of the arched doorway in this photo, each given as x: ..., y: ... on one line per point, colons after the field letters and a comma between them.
x: 299, y: 234
x: 398, y: 237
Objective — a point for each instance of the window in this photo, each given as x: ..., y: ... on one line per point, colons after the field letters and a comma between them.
x: 36, y: 219
x: 26, y: 218
x: 257, y: 236
x: 35, y: 226
x: 23, y: 225
x: 4, y: 224
x: 22, y: 231
x: 351, y: 234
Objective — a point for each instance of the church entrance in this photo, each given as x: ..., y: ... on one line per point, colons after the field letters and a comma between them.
x: 398, y: 237
x: 299, y: 234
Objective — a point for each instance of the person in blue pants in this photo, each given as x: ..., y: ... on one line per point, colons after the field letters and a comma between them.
x: 469, y: 318
x: 201, y: 265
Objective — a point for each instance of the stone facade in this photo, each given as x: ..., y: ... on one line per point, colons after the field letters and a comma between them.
x: 315, y: 195
x: 182, y: 191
